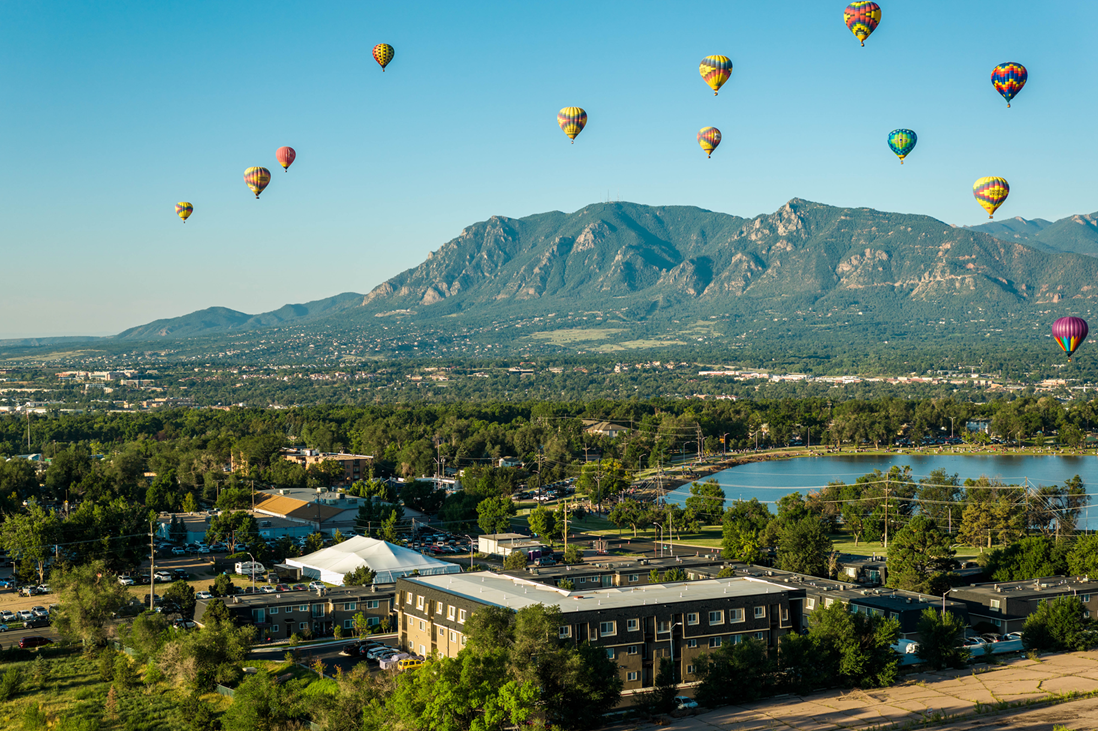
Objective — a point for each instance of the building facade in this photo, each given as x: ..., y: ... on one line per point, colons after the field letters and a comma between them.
x: 283, y: 614
x: 1006, y: 605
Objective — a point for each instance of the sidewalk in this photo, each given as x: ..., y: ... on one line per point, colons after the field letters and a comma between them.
x: 921, y: 697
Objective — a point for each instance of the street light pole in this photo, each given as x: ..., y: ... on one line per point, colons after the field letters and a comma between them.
x: 470, y: 551
x: 252, y: 570
x: 671, y: 647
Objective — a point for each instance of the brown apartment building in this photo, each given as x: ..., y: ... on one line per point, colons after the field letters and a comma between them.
x: 282, y: 614
x: 636, y: 625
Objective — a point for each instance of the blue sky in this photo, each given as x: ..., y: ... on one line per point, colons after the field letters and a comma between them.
x: 111, y: 112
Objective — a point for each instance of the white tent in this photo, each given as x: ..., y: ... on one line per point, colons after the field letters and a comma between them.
x: 389, y: 562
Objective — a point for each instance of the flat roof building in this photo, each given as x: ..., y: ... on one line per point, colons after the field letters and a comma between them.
x: 1005, y: 605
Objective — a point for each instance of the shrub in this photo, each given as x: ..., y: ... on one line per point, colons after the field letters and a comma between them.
x: 10, y: 683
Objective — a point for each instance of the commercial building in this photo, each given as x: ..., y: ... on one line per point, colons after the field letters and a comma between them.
x: 1006, y: 605
x: 387, y: 561
x: 636, y: 626
x: 504, y: 544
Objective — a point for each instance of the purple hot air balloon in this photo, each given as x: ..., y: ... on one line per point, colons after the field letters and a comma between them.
x: 1070, y: 332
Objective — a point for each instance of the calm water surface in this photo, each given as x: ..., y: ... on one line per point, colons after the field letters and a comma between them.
x: 769, y: 481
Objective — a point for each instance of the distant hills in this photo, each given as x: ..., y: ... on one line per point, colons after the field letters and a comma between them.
x: 1077, y: 234
x: 655, y: 263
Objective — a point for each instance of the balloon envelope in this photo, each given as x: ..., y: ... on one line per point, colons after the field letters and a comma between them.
x: 902, y: 142
x: 1008, y: 79
x: 257, y: 179
x: 862, y: 18
x: 183, y: 209
x: 572, y: 120
x: 990, y: 193
x: 285, y: 156
x: 383, y: 54
x: 715, y: 70
x: 1070, y: 332
x: 709, y: 138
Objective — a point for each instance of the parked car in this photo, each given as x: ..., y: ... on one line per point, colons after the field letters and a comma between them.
x: 178, y: 551
x: 25, y: 614
x: 32, y: 641
x: 203, y: 595
x: 184, y: 624
x: 267, y: 590
x: 683, y: 703
x: 378, y: 652
x: 410, y: 663
x: 314, y: 585
x: 203, y: 551
x: 43, y: 588
x: 973, y: 642
x: 125, y: 581
x: 300, y: 587
x: 991, y: 637
x: 1012, y: 636
x: 28, y: 591
x: 39, y: 611
x: 6, y: 615
x: 37, y: 622
x: 181, y: 574
x: 7, y: 583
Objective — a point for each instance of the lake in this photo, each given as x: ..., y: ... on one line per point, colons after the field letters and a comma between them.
x: 769, y: 481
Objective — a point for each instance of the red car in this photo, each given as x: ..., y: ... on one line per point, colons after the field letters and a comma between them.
x: 31, y: 641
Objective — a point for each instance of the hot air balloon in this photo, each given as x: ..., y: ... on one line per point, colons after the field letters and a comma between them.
x: 572, y: 120
x: 184, y: 210
x: 715, y: 70
x: 257, y: 179
x: 1008, y: 79
x: 383, y: 54
x: 285, y: 156
x: 1070, y: 332
x: 990, y: 193
x: 709, y: 138
x: 902, y: 142
x: 862, y: 18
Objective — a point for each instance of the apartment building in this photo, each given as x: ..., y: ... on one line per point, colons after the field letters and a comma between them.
x: 625, y: 572
x: 637, y: 626
x: 282, y: 614
x: 1006, y: 605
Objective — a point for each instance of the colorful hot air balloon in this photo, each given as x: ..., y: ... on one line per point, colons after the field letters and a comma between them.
x: 1070, y: 332
x: 862, y: 18
x: 184, y: 210
x: 572, y: 120
x: 383, y: 54
x: 990, y: 193
x: 902, y: 142
x: 1008, y: 79
x: 285, y: 156
x: 709, y: 138
x: 257, y: 179
x: 715, y: 70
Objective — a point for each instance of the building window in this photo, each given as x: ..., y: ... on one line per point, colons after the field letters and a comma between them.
x: 302, y: 625
x: 303, y: 608
x: 996, y: 604
x: 691, y: 643
x: 714, y: 641
x: 760, y: 612
x: 633, y: 676
x: 692, y: 618
x: 736, y: 639
x: 274, y: 628
x: 610, y: 653
x: 419, y: 602
x: 453, y: 636
x: 663, y: 626
x: 735, y: 615
x: 634, y: 578
x: 690, y: 670
x: 272, y: 610
x: 632, y: 625
x: 409, y: 599
x: 760, y: 636
x: 438, y: 607
x: 373, y: 604
x: 422, y: 626
x: 717, y: 617
x: 828, y: 602
x: 565, y: 631
x: 1084, y: 598
x: 461, y: 615
x: 450, y: 612
x: 348, y: 624
x: 633, y: 649
x: 373, y: 621
x: 997, y: 622
x: 608, y: 628
x: 581, y: 580
x: 350, y: 606
x: 809, y: 603
x: 442, y: 632
x: 318, y: 610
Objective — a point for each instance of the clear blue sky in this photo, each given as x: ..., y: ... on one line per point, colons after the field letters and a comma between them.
x: 110, y: 112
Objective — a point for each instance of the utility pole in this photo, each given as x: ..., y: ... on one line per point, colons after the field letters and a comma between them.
x: 152, y: 564
x: 888, y: 488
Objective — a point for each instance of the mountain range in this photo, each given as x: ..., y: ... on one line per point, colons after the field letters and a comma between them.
x: 647, y: 263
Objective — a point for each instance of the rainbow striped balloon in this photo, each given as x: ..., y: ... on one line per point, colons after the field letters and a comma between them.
x: 183, y: 209
x: 1008, y: 79
x: 862, y: 18
x: 715, y: 70
x: 572, y: 120
x: 990, y: 193
x: 383, y: 54
x: 257, y: 179
x: 709, y: 138
x: 1070, y: 332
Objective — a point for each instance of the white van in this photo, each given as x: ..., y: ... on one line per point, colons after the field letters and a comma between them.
x: 247, y: 568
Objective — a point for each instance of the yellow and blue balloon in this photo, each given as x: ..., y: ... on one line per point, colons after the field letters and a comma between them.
x: 902, y: 142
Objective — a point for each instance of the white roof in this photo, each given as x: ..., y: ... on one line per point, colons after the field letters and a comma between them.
x: 389, y: 562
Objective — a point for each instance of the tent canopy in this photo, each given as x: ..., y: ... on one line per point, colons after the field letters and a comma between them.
x: 389, y: 562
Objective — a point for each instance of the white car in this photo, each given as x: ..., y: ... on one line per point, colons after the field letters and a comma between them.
x: 203, y: 595
x: 268, y: 590
x: 40, y: 612
x: 26, y: 614
x: 203, y: 551
x: 125, y: 581
x: 7, y: 615
x: 177, y: 551
x: 683, y: 703
x: 313, y: 586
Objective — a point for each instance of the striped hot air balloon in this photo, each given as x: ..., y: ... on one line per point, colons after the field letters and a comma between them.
x: 715, y: 70
x: 257, y: 179
x: 183, y: 209
x: 383, y: 54
x: 1008, y: 79
x: 285, y: 157
x: 709, y: 138
x: 862, y: 18
x: 1070, y: 332
x: 572, y: 120
x: 990, y: 193
x: 902, y: 142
